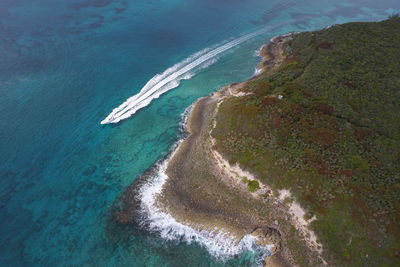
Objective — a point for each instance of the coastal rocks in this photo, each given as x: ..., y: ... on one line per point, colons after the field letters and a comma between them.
x: 122, y: 217
x: 127, y: 210
x: 267, y: 236
x: 274, y: 53
x: 280, y: 259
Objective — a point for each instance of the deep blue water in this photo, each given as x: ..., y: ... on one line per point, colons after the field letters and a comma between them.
x: 64, y: 65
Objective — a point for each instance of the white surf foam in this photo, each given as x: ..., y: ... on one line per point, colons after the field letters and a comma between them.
x: 171, y: 78
x: 257, y: 53
x: 218, y: 243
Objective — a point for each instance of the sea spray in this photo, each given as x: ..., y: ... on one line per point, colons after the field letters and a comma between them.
x: 257, y: 53
x: 218, y: 243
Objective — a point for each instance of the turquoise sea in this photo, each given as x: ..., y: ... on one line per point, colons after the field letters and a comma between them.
x: 65, y: 65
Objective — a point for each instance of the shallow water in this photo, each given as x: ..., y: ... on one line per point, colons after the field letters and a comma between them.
x: 65, y: 66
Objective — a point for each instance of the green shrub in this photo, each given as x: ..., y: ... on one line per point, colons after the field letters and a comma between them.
x: 253, y: 185
x: 333, y: 139
x: 358, y: 162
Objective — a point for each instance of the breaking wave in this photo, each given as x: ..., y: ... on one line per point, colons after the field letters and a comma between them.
x: 217, y: 242
x: 171, y: 78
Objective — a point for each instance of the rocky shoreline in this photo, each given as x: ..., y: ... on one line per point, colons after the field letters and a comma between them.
x: 205, y: 193
x: 284, y: 161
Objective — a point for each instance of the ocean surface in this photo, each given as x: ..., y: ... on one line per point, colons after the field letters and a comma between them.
x: 64, y: 67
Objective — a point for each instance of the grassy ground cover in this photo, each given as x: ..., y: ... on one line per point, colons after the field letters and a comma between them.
x: 326, y: 125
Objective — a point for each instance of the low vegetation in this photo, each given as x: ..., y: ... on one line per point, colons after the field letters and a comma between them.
x: 252, y: 185
x: 332, y: 136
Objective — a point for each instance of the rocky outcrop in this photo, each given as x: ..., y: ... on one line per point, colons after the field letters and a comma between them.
x: 268, y: 236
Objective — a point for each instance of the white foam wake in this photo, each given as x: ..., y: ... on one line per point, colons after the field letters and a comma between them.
x: 218, y: 243
x: 171, y: 78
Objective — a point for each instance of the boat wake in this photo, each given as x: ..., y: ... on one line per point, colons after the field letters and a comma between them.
x: 171, y: 78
